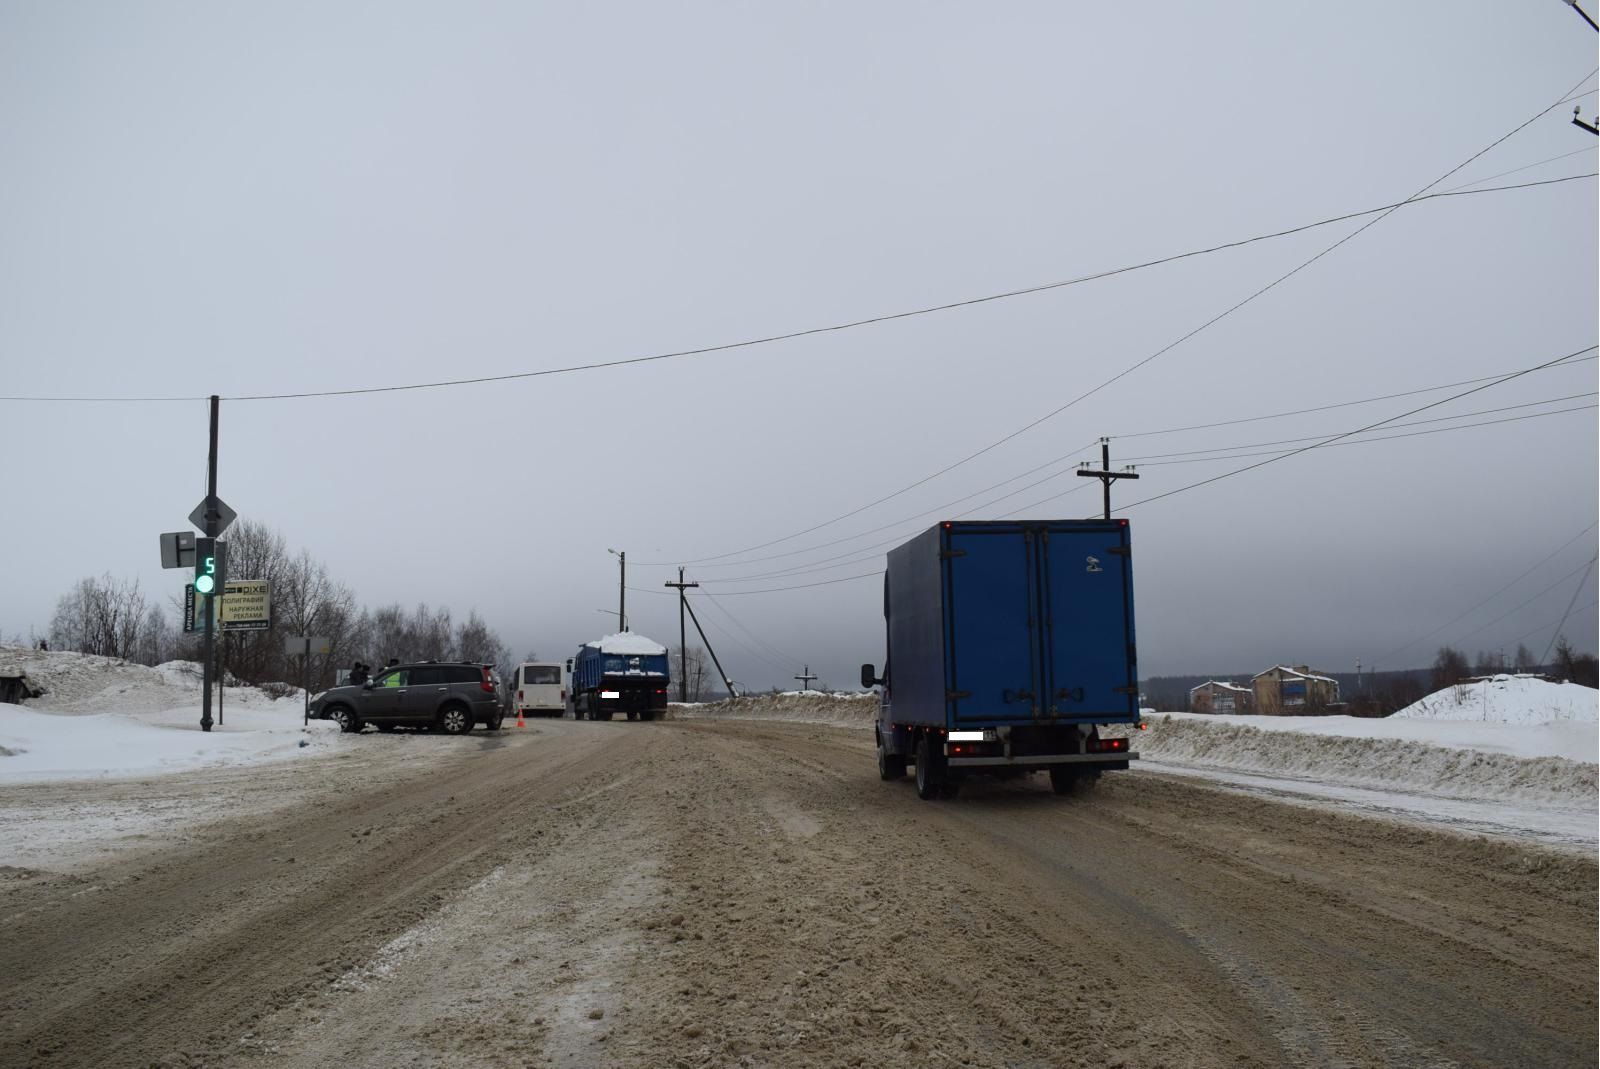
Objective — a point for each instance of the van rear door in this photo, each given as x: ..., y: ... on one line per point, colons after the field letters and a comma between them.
x: 1090, y: 664
x: 990, y: 608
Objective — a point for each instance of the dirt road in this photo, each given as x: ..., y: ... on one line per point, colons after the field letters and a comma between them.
x: 726, y: 894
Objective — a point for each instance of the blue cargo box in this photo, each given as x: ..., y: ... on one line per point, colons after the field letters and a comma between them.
x: 996, y: 623
x: 594, y: 663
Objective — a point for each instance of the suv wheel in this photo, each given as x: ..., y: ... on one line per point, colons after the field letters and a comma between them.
x: 346, y: 719
x: 495, y: 722
x: 455, y: 720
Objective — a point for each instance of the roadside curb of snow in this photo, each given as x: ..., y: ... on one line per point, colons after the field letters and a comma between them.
x: 1379, y: 763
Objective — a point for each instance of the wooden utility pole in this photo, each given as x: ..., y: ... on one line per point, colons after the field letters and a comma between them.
x: 805, y: 678
x: 1105, y: 474
x: 726, y: 682
x: 683, y: 645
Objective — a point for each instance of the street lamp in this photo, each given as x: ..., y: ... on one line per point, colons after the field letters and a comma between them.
x: 622, y: 585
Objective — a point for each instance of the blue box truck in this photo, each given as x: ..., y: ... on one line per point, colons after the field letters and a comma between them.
x: 1010, y: 646
x: 621, y: 673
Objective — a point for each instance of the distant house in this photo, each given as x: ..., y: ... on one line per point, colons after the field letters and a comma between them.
x: 1215, y: 697
x: 1282, y: 690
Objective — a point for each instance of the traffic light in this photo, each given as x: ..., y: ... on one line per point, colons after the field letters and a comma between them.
x: 210, y: 565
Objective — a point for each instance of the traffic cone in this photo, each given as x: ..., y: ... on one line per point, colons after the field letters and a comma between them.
x: 520, y: 724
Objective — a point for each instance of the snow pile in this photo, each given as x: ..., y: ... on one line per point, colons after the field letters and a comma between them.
x: 1514, y: 699
x: 1379, y: 754
x: 810, y: 707
x: 103, y: 717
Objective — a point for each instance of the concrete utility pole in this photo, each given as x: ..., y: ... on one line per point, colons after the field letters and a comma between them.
x: 683, y: 645
x: 1106, y: 475
x: 805, y: 678
x: 622, y: 587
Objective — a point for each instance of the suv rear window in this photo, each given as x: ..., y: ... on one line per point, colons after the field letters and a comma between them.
x: 546, y: 673
x: 426, y: 675
x: 462, y: 673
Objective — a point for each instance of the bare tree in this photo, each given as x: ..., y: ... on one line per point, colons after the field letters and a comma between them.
x: 1449, y: 668
x: 475, y: 641
x: 103, y: 616
x: 699, y: 677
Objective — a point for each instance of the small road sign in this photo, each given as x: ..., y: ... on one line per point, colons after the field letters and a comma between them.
x: 225, y: 515
x: 245, y: 605
x: 300, y: 645
x: 194, y: 617
x: 177, y: 549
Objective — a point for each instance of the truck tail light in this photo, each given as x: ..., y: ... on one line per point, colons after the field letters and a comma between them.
x: 661, y: 690
x: 1108, y: 745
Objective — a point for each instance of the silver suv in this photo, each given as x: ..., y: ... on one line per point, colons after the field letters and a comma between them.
x: 450, y: 696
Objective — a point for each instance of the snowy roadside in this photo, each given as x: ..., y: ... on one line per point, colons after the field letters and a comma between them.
x: 101, y: 718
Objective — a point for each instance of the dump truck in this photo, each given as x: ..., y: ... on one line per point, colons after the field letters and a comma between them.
x: 1010, y: 651
x: 621, y: 673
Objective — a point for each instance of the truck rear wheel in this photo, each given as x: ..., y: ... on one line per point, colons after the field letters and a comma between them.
x: 930, y: 769
x: 890, y: 766
x: 1063, y: 780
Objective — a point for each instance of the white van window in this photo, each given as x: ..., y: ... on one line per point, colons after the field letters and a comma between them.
x: 543, y: 673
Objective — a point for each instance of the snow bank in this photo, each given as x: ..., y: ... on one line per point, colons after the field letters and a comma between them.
x: 1513, y: 699
x: 1442, y: 762
x: 810, y: 707
x: 103, y: 717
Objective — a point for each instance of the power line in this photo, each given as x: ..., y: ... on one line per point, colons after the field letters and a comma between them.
x: 1570, y: 603
x: 1361, y: 430
x: 1381, y: 212
x: 1156, y: 460
x: 1530, y: 601
x: 1518, y: 170
x: 1329, y: 408
x: 1063, y: 458
x: 1384, y: 214
x: 801, y: 586
x: 1519, y: 639
x: 1388, y: 657
x: 786, y: 661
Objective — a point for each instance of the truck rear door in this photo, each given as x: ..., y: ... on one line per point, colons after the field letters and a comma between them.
x: 990, y: 638
x: 1090, y: 669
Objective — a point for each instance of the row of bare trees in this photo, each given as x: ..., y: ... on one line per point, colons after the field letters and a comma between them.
x: 114, y: 618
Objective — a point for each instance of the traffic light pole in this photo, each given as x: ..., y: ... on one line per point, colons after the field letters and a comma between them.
x: 211, y: 532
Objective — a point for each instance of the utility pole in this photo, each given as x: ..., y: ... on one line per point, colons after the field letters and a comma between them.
x: 683, y: 645
x: 805, y: 678
x: 622, y: 587
x: 1106, y: 475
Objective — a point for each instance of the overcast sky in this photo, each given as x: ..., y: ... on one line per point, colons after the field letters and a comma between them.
x: 263, y: 199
